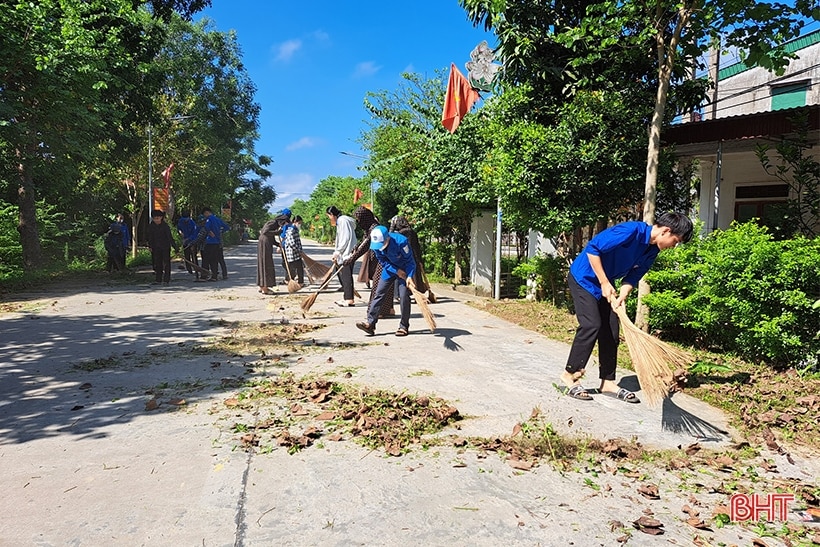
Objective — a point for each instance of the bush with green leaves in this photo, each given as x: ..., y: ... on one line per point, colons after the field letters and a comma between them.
x: 740, y: 291
x: 549, y: 274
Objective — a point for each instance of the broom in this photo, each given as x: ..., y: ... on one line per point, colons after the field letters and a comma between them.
x: 293, y: 285
x: 651, y: 358
x: 421, y: 300
x: 317, y: 270
x: 197, y: 267
x: 310, y: 299
x: 431, y: 296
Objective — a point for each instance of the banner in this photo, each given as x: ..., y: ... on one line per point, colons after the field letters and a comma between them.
x: 161, y: 199
x: 166, y: 175
x: 357, y: 195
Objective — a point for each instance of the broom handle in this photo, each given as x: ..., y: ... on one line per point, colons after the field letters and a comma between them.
x: 285, y: 260
x: 329, y: 277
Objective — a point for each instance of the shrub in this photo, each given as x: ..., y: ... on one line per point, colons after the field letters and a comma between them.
x: 740, y: 291
x: 549, y: 274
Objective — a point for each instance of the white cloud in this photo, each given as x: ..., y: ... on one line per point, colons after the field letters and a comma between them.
x: 304, y: 142
x: 320, y: 36
x: 290, y: 187
x: 286, y: 50
x: 365, y: 69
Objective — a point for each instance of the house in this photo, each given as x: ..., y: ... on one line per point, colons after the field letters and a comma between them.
x: 753, y: 106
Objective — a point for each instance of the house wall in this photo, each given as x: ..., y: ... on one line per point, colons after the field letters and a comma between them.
x: 750, y: 91
x: 482, y: 252
x: 739, y: 168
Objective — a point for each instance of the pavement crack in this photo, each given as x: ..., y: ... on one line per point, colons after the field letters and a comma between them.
x: 241, y: 512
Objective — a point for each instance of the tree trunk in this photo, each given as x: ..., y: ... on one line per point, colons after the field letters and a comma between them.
x: 27, y: 220
x: 666, y: 61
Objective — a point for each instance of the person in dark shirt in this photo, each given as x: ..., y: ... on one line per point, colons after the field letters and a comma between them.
x: 160, y: 242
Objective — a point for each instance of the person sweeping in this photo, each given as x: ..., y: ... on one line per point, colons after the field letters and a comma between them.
x: 625, y: 251
x: 398, y: 266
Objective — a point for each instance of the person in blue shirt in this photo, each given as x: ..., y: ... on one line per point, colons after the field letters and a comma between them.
x: 126, y: 235
x: 212, y: 250
x: 393, y: 252
x: 623, y: 252
x: 187, y: 229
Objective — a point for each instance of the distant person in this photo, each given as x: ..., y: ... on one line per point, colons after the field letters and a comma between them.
x: 126, y: 236
x: 345, y: 243
x: 160, y: 241
x: 187, y: 229
x: 265, y: 267
x: 112, y: 242
x: 625, y: 251
x: 292, y: 249
x: 398, y: 266
x: 212, y: 251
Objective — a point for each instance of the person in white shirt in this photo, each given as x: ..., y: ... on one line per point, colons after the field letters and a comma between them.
x: 345, y: 245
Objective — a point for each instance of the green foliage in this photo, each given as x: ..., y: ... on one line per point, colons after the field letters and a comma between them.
x: 571, y: 166
x: 549, y: 273
x: 740, y: 291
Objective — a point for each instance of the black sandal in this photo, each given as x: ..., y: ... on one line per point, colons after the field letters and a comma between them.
x: 578, y: 392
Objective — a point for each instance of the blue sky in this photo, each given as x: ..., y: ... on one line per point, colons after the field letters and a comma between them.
x: 313, y: 63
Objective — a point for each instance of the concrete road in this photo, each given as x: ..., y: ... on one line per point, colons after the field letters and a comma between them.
x: 87, y: 460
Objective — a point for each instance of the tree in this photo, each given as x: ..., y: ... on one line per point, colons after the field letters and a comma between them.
x: 72, y: 74
x: 607, y: 44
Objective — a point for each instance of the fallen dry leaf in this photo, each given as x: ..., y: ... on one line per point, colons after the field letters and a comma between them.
x: 85, y: 386
x: 177, y: 401
x: 231, y: 402
x: 324, y: 416
x: 757, y: 542
x: 689, y: 511
x: 692, y: 449
x: 615, y: 525
x: 516, y: 430
x: 151, y: 405
x: 697, y: 523
x: 519, y: 464
x: 649, y: 525
x: 649, y: 491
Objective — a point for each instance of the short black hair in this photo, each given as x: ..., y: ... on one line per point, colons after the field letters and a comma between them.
x: 297, y: 219
x: 678, y: 223
x: 333, y: 210
x: 208, y: 209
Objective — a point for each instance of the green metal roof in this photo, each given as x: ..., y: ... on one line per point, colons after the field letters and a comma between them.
x: 795, y: 45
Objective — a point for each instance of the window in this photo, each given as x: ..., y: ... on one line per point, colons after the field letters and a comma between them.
x: 789, y: 95
x: 764, y: 202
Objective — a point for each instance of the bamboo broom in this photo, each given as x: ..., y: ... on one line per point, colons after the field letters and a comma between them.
x: 421, y: 300
x: 651, y: 358
x: 316, y: 270
x: 293, y: 285
x: 309, y: 300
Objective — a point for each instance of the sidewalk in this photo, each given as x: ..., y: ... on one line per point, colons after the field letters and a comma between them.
x: 84, y: 462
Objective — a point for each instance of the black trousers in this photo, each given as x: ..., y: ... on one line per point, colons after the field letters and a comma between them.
x: 596, y: 323
x: 297, y: 269
x: 161, y: 259
x: 210, y: 259
x: 346, y: 279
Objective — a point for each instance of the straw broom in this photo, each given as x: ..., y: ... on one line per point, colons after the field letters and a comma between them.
x: 316, y: 270
x: 309, y: 300
x: 651, y: 358
x: 431, y: 296
x: 293, y: 285
x: 421, y: 300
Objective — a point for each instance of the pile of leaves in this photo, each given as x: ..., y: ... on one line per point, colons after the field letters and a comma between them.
x: 303, y: 410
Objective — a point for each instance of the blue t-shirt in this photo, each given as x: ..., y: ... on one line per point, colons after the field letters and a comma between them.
x: 397, y: 256
x: 625, y: 254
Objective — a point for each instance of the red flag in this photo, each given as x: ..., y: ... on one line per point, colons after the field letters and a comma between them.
x: 357, y: 195
x: 166, y: 175
x: 459, y: 99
